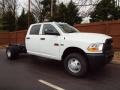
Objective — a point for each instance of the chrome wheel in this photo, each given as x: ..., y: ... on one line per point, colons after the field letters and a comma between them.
x: 74, y: 65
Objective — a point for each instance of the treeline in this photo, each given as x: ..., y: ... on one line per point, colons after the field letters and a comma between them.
x: 40, y: 11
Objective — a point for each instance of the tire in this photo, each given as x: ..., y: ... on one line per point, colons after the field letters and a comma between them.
x: 76, y: 65
x: 12, y: 53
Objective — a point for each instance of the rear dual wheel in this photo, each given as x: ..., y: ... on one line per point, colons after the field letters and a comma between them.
x: 12, y: 52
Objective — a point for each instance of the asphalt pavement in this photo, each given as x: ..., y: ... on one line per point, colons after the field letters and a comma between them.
x: 35, y: 73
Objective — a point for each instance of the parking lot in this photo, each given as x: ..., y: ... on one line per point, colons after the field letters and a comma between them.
x: 33, y: 73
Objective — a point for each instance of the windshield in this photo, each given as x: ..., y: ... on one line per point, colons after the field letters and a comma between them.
x: 67, y: 28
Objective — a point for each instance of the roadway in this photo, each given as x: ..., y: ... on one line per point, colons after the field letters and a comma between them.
x: 34, y: 73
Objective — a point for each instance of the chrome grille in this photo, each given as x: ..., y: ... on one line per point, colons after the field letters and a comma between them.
x: 107, y: 45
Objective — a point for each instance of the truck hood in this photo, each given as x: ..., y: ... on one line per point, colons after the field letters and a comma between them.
x: 88, y: 37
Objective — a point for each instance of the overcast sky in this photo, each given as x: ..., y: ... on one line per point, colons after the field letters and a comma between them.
x: 24, y: 4
x: 82, y: 11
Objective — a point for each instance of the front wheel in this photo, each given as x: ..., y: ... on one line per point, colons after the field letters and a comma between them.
x: 75, y: 64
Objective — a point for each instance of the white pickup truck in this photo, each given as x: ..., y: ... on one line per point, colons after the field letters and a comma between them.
x: 78, y: 51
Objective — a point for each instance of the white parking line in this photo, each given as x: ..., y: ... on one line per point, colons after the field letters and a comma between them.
x: 51, y: 85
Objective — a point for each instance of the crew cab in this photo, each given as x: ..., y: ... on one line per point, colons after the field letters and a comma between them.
x: 78, y: 51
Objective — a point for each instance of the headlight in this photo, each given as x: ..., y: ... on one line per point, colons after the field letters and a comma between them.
x: 96, y: 47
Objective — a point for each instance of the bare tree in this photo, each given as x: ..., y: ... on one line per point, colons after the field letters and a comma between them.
x: 1, y: 7
x: 11, y: 5
x: 36, y: 9
x: 8, y: 5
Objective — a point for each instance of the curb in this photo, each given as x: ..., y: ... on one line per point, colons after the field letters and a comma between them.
x: 3, y: 46
x: 115, y: 62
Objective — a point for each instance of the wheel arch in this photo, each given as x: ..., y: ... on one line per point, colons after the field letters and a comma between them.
x: 69, y: 50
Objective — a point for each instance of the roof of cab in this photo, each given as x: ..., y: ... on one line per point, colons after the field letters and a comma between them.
x: 48, y: 23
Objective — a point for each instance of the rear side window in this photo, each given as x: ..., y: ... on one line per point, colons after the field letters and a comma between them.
x: 35, y: 30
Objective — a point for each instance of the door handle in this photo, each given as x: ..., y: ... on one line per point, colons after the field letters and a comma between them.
x: 42, y: 38
x: 27, y: 37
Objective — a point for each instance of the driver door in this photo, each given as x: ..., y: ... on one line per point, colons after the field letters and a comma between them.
x: 50, y: 43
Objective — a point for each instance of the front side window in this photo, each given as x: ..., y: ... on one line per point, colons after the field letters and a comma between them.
x: 66, y: 28
x: 35, y: 30
x: 48, y: 28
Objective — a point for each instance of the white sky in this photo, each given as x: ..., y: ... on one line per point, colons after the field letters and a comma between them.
x: 24, y: 3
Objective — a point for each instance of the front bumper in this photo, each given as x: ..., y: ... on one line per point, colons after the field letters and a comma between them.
x: 99, y: 59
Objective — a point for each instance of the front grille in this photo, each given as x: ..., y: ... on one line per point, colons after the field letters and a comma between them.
x: 107, y: 45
